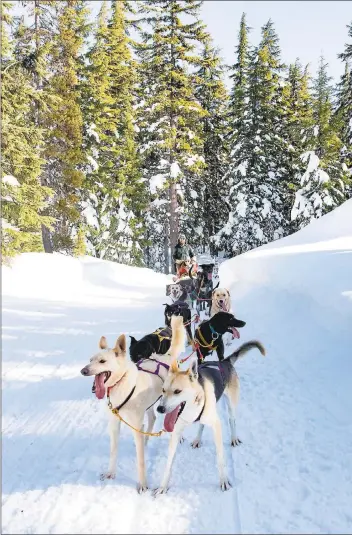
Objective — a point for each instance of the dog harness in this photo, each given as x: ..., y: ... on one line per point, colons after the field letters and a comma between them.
x: 199, y: 338
x: 155, y: 372
x: 163, y: 333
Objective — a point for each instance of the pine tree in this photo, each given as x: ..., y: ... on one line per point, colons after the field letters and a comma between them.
x: 116, y: 198
x: 33, y: 42
x: 208, y: 198
x: 169, y: 119
x: 297, y: 130
x: 23, y: 197
x: 323, y: 183
x: 256, y: 179
x: 63, y: 152
x: 343, y: 112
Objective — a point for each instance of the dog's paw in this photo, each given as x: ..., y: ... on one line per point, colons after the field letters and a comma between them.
x: 196, y: 443
x: 225, y: 485
x: 160, y: 490
x: 236, y: 442
x: 141, y: 487
x: 107, y: 475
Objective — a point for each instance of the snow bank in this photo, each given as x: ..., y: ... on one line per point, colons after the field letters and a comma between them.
x: 56, y: 276
x: 296, y: 296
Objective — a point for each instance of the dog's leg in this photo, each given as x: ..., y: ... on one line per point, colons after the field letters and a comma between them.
x: 232, y: 395
x: 114, y: 431
x: 197, y: 441
x: 151, y: 421
x: 220, y: 349
x: 174, y: 440
x: 224, y: 482
x: 139, y: 440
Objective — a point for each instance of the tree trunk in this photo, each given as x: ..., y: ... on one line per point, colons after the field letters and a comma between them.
x: 46, y: 238
x: 166, y: 246
x: 173, y: 123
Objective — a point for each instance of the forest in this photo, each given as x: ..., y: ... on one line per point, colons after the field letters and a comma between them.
x: 118, y: 133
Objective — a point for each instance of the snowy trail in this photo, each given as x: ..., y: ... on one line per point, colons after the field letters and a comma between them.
x: 55, y: 441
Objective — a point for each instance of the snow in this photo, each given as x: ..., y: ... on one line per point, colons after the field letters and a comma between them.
x: 55, y: 440
x: 93, y: 163
x: 241, y: 207
x: 10, y: 180
x: 90, y: 214
x: 93, y: 133
x: 157, y: 182
x: 193, y: 194
x: 174, y: 170
x: 294, y: 472
x: 6, y: 225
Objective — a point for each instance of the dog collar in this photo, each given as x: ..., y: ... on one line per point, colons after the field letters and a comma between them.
x: 213, y: 331
x: 124, y: 402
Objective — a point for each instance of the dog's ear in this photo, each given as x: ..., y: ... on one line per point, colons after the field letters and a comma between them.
x: 174, y: 366
x: 133, y: 340
x: 193, y: 369
x: 228, y: 293
x: 120, y: 346
x: 103, y: 343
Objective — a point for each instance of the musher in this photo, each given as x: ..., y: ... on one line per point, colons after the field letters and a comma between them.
x: 183, y: 254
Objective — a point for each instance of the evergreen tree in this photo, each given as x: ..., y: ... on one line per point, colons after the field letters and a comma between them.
x: 256, y: 179
x: 169, y: 119
x: 323, y: 182
x: 116, y: 198
x: 63, y: 152
x: 298, y: 132
x: 33, y: 42
x: 208, y: 198
x: 23, y: 197
x: 343, y: 112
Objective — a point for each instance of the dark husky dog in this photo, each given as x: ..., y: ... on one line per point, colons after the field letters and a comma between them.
x: 208, y: 335
x: 157, y: 342
x: 180, y: 308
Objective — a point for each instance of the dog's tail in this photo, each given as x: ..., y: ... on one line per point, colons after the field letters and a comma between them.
x: 244, y: 348
x: 178, y: 337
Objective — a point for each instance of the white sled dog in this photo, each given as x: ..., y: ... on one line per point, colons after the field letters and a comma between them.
x: 191, y: 396
x: 132, y: 391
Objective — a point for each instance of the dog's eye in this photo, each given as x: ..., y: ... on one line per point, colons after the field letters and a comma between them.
x: 177, y: 391
x: 163, y: 390
x: 102, y: 361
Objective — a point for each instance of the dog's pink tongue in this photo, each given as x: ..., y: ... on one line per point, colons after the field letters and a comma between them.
x: 235, y: 332
x: 170, y: 420
x: 99, y: 385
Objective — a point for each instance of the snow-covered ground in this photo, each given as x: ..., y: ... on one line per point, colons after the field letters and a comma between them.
x: 293, y: 472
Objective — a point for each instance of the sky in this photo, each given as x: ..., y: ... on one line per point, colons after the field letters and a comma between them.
x: 306, y: 29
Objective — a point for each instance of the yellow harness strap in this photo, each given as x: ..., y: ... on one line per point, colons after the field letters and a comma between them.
x: 204, y: 344
x: 160, y: 336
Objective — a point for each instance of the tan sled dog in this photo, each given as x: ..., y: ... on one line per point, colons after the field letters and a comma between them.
x: 220, y: 301
x: 191, y: 396
x: 132, y: 390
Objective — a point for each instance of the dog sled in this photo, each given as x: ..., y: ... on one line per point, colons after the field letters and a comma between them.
x: 194, y: 283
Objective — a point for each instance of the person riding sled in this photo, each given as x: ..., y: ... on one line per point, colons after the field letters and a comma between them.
x: 183, y: 256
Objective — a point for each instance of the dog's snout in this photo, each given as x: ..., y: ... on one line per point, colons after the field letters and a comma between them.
x: 84, y: 371
x: 161, y: 409
x: 221, y: 301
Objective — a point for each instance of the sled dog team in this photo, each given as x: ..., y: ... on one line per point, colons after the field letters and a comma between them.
x: 152, y: 378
